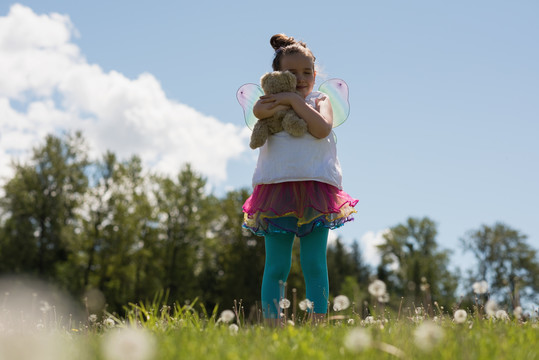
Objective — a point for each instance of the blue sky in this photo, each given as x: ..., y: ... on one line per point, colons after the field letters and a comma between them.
x: 444, y: 96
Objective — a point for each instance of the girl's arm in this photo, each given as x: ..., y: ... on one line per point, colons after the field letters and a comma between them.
x: 264, y: 110
x: 319, y: 122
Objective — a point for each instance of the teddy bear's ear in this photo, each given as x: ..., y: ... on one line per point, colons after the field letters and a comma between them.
x: 264, y: 78
x: 291, y: 79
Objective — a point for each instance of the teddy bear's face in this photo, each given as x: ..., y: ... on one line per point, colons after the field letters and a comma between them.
x: 278, y: 81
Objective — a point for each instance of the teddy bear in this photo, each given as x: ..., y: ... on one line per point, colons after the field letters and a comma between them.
x: 287, y: 120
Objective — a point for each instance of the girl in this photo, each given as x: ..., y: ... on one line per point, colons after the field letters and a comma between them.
x: 297, y: 184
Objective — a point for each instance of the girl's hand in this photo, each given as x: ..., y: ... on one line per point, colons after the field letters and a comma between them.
x: 268, y: 105
x: 284, y: 98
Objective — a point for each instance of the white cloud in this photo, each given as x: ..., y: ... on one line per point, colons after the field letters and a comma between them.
x: 369, y: 242
x: 47, y: 86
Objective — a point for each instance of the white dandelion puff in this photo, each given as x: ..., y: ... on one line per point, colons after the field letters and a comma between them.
x: 291, y: 323
x: 518, y: 312
x: 351, y: 321
x: 480, y: 287
x: 227, y: 316
x: 128, y: 344
x: 370, y: 320
x: 491, y: 307
x: 428, y: 335
x: 284, y: 303
x: 92, y: 318
x: 384, y: 298
x: 377, y: 288
x: 341, y: 302
x: 44, y: 307
x: 358, y: 340
x: 502, y: 315
x: 460, y: 316
x: 233, y: 328
x: 109, y: 322
x: 305, y: 304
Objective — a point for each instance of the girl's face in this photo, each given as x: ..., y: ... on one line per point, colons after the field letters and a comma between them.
x: 303, y: 68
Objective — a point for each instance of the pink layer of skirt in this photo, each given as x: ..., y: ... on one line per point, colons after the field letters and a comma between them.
x: 297, y: 207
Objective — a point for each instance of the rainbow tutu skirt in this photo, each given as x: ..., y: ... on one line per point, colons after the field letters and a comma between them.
x: 297, y: 207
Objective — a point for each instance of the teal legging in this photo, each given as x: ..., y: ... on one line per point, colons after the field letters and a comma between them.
x: 278, y: 263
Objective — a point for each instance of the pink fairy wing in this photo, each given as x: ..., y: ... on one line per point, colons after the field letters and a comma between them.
x: 247, y: 96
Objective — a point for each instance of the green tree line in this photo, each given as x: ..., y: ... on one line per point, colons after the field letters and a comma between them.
x: 108, y: 226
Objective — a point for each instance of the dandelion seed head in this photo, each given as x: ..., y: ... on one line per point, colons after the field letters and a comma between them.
x: 44, y: 307
x: 341, y: 302
x: 351, y: 322
x: 460, y: 316
x: 384, y: 298
x: 428, y: 335
x: 377, y: 288
x: 233, y: 328
x: 284, y: 303
x: 357, y: 340
x: 370, y: 320
x: 92, y: 318
x: 305, y: 304
x: 491, y: 307
x: 109, y: 322
x: 227, y: 316
x: 480, y: 287
x: 128, y: 344
x: 502, y: 315
x: 518, y: 312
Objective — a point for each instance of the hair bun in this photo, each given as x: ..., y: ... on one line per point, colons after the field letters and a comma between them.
x: 281, y: 40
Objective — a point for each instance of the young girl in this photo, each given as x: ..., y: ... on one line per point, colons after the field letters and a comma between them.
x: 297, y: 184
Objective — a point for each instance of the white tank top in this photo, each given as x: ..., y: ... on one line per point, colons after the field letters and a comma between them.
x: 287, y: 158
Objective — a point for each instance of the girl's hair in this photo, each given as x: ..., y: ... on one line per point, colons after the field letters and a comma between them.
x: 287, y: 45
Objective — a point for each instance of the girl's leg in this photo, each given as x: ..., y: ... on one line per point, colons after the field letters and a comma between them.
x: 313, y: 249
x: 276, y: 269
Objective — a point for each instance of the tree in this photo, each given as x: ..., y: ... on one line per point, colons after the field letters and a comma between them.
x: 119, y: 238
x: 415, y: 268
x: 504, y: 260
x: 185, y: 218
x: 39, y: 207
x: 345, y: 266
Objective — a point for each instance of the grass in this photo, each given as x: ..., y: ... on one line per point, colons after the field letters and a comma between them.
x: 153, y: 331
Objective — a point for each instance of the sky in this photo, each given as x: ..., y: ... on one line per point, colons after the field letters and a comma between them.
x: 444, y: 97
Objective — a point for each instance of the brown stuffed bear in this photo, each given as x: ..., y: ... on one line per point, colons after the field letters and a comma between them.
x: 287, y: 120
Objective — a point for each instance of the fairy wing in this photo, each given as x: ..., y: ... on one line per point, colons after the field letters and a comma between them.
x: 337, y: 91
x: 247, y: 96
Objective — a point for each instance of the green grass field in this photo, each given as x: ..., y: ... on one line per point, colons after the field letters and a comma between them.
x: 153, y: 331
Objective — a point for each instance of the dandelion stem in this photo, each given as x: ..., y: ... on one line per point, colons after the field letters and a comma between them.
x: 400, y: 307
x: 390, y: 349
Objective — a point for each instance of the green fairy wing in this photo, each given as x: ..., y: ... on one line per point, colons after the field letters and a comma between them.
x: 337, y: 91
